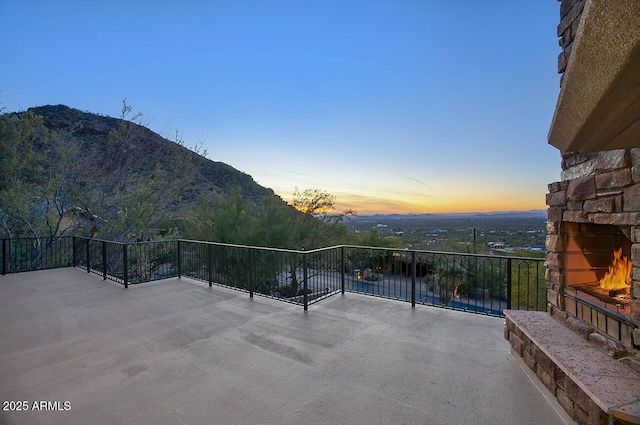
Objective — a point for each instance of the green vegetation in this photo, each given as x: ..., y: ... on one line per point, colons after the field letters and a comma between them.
x: 53, y: 182
x: 311, y: 222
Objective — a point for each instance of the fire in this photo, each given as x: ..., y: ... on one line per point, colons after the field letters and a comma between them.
x: 619, y: 274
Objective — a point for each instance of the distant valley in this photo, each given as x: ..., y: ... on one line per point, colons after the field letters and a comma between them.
x: 519, y: 231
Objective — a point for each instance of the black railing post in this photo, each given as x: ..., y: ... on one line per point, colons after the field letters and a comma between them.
x: 252, y: 273
x: 305, y: 285
x: 509, y: 283
x: 125, y: 265
x: 413, y: 278
x: 4, y: 257
x: 179, y: 260
x: 73, y: 249
x: 342, y: 268
x: 104, y: 260
x: 210, y: 263
x: 88, y: 255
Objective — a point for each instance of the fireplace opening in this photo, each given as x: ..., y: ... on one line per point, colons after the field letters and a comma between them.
x: 597, y: 265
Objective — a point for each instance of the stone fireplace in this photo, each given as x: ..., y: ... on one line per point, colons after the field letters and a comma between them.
x: 585, y: 349
x: 593, y: 216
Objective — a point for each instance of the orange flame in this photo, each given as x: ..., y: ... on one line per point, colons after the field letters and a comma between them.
x: 619, y: 274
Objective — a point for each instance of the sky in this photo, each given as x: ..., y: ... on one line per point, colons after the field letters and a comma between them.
x: 392, y: 106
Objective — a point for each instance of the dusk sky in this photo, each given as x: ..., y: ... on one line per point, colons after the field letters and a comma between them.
x: 392, y: 105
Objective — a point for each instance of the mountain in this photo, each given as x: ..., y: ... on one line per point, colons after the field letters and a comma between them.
x: 150, y: 149
x: 64, y: 171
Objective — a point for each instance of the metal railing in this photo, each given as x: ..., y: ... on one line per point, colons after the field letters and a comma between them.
x: 126, y: 263
x: 28, y: 254
x: 299, y: 277
x: 470, y: 282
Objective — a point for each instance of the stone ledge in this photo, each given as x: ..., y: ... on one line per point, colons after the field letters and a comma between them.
x: 610, y: 384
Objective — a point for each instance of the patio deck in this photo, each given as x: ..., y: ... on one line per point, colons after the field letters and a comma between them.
x: 177, y: 351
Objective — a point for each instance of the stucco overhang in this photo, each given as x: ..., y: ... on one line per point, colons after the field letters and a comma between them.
x: 599, y: 103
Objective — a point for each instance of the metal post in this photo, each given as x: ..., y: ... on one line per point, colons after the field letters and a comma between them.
x: 4, y: 257
x: 179, y: 260
x: 509, y: 282
x: 210, y: 263
x: 125, y: 265
x: 537, y: 285
x: 474, y: 240
x: 252, y: 274
x: 73, y: 248
x: 305, y: 297
x: 413, y: 278
x: 104, y: 260
x: 88, y: 255
x: 342, y: 268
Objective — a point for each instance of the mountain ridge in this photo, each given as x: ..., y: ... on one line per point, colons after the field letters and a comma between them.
x: 212, y: 177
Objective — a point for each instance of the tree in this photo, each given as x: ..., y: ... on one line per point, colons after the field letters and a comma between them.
x: 275, y: 224
x: 36, y: 183
x: 320, y: 224
x: 447, y: 279
x: 57, y: 183
x: 69, y: 181
x: 128, y: 194
x: 226, y: 219
x: 233, y: 219
x: 19, y: 172
x: 36, y: 177
x: 379, y: 261
x: 376, y: 238
x: 309, y: 223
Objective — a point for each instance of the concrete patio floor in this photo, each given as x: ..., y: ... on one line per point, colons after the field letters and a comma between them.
x: 178, y: 352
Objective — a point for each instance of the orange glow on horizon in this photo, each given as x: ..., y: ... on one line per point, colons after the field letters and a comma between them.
x: 387, y: 194
x: 368, y: 205
x: 460, y: 203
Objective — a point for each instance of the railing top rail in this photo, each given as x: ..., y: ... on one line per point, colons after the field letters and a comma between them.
x: 98, y: 240
x: 30, y: 238
x: 232, y: 245
x: 298, y: 251
x: 421, y: 251
x: 127, y: 243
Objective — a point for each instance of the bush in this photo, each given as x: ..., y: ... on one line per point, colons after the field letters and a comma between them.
x: 286, y: 291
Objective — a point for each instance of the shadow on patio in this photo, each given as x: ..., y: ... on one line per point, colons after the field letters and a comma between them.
x: 177, y: 351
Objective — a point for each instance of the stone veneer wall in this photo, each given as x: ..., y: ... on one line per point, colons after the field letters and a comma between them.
x: 570, y: 13
x: 599, y: 188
